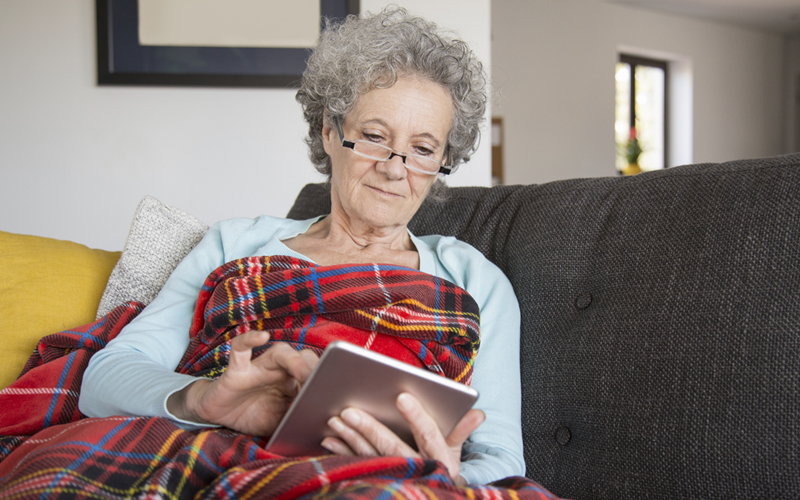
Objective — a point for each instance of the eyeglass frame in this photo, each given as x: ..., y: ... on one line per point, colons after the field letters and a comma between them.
x: 443, y: 169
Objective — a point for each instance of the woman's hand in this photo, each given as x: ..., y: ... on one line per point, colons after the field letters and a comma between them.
x: 360, y: 434
x: 252, y: 395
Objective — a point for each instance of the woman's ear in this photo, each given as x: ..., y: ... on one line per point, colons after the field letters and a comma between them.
x: 329, y: 135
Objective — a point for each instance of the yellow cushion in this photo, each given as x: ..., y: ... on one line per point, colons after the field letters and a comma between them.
x: 46, y: 286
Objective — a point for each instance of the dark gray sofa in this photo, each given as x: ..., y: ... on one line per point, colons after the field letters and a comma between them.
x: 660, y: 324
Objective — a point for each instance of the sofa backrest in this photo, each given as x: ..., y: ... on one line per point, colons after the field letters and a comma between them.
x: 660, y: 324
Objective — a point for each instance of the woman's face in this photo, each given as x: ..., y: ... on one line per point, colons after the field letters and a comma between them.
x: 411, y: 116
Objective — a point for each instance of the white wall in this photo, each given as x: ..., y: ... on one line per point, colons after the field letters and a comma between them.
x: 77, y: 158
x: 553, y: 64
x: 792, y: 95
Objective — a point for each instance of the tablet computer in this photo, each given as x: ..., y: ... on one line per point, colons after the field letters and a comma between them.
x: 351, y: 376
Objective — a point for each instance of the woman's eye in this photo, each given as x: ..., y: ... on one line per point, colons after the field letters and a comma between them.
x: 373, y: 137
x: 423, y: 151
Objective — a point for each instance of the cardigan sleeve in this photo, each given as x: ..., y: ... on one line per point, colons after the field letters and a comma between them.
x: 134, y: 374
x: 494, y: 451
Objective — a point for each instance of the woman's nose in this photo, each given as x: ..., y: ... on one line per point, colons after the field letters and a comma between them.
x: 394, y: 167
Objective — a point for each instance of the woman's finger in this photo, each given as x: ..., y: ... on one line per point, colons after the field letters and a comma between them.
x: 248, y: 340
x: 297, y: 364
x: 311, y: 357
x: 242, y: 348
x: 466, y: 426
x: 429, y: 438
x: 337, y: 446
x: 363, y: 434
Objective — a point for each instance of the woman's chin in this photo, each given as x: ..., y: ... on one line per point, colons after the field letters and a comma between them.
x: 381, y: 217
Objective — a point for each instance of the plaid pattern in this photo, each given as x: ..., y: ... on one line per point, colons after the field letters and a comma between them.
x: 47, y: 451
x: 400, y: 312
x: 150, y: 457
x: 46, y: 392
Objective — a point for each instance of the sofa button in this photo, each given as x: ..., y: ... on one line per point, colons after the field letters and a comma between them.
x: 583, y: 301
x: 563, y: 435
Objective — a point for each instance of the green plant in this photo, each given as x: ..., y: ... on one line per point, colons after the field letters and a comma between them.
x: 633, y: 149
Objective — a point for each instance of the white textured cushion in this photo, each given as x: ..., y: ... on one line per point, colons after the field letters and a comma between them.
x: 160, y: 237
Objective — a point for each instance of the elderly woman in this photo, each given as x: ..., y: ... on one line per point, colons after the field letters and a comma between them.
x: 392, y: 104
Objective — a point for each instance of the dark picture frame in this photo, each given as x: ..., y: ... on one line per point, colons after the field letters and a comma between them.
x: 122, y: 61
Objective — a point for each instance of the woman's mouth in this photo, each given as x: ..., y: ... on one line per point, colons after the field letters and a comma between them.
x: 384, y: 193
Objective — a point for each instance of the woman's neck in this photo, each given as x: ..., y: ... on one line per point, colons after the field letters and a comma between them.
x: 342, y: 231
x: 335, y: 240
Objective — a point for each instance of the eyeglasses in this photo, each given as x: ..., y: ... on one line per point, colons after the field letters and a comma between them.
x: 379, y: 152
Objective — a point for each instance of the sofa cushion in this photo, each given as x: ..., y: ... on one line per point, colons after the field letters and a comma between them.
x: 46, y: 286
x: 159, y: 238
x: 660, y: 324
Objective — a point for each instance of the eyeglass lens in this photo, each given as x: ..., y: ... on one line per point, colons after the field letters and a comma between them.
x: 383, y: 153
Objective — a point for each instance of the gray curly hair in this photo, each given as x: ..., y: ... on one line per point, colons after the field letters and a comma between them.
x: 361, y: 54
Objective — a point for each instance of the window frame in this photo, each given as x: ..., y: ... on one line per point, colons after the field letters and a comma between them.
x: 634, y: 61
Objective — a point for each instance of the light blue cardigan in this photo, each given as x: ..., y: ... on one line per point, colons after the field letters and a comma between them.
x: 134, y: 375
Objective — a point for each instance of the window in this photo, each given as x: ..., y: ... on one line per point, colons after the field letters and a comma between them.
x: 641, y: 108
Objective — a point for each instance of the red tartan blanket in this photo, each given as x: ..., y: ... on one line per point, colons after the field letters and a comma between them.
x: 405, y: 314
x: 48, y: 449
